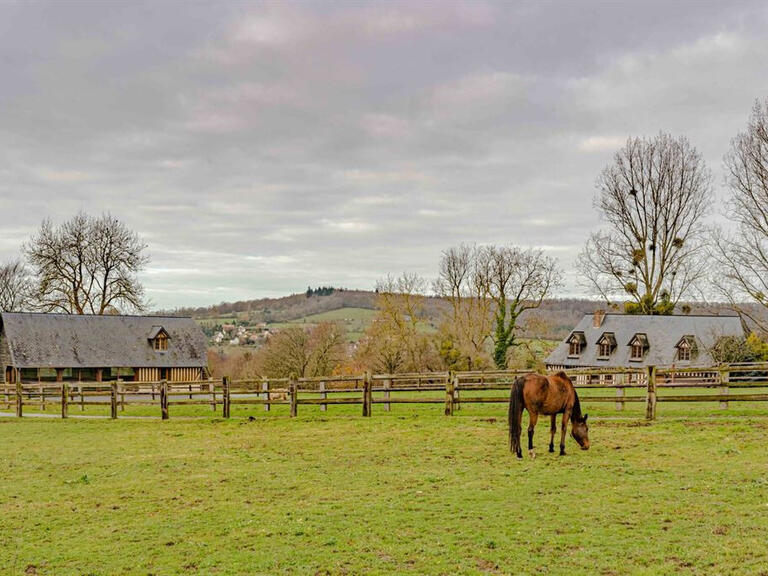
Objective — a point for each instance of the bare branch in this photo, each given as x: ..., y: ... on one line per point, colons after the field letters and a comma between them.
x: 742, y: 256
x: 16, y: 288
x: 653, y: 198
x: 88, y: 265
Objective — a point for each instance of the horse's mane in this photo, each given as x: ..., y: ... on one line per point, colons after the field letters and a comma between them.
x: 576, y: 413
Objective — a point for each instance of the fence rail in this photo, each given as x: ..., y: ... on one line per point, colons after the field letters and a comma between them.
x: 452, y: 389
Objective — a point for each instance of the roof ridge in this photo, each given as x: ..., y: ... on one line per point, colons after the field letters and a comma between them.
x: 590, y: 315
x: 95, y: 315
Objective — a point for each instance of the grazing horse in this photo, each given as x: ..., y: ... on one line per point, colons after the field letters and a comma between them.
x: 549, y: 395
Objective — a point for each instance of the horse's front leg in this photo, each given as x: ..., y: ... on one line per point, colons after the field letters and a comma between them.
x: 552, y: 430
x: 566, y: 417
x: 534, y: 416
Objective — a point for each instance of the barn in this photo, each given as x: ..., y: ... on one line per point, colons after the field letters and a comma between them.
x: 64, y: 347
x: 631, y: 341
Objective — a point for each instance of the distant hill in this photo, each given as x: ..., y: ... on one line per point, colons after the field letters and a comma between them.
x: 553, y: 320
x: 286, y: 308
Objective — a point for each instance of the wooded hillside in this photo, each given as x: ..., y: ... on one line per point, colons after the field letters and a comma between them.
x: 553, y: 320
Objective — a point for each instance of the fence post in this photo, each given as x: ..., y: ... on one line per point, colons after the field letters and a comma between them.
x: 323, y: 395
x: 449, y: 394
x: 225, y: 397
x: 265, y: 389
x: 113, y: 400
x: 456, y: 398
x: 619, y: 380
x: 293, y: 392
x: 64, y: 400
x: 650, y: 402
x: 19, y: 399
x: 725, y: 378
x: 212, y: 390
x: 122, y: 394
x: 367, y: 394
x: 82, y: 398
x: 164, y: 400
x: 387, y: 386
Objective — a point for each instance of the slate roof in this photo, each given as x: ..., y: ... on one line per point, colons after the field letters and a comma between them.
x: 154, y: 331
x: 661, y: 332
x: 88, y: 341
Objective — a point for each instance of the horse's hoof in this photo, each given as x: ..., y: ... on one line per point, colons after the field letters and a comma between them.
x: 562, y: 452
x: 532, y: 454
x: 552, y: 449
x: 520, y: 455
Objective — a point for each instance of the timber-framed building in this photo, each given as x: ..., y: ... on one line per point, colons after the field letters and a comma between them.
x: 68, y: 347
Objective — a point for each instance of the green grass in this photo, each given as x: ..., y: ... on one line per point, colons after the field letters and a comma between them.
x: 344, y: 314
x: 355, y: 320
x: 405, y: 492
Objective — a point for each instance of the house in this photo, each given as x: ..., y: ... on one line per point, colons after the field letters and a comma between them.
x: 622, y: 340
x: 95, y: 348
x: 228, y: 328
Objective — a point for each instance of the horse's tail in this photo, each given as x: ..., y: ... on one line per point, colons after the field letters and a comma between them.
x: 516, y: 415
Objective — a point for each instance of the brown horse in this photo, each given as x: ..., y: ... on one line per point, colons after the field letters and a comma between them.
x: 549, y: 395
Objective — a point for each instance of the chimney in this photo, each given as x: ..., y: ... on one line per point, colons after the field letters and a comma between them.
x: 597, y: 318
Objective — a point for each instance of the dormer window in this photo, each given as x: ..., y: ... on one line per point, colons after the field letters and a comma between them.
x: 161, y: 342
x: 606, y: 345
x: 158, y: 338
x: 576, y: 343
x: 686, y: 348
x: 637, y: 347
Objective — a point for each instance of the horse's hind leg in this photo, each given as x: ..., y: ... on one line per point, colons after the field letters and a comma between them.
x: 518, y: 442
x: 534, y: 416
x: 552, y: 430
x: 566, y: 416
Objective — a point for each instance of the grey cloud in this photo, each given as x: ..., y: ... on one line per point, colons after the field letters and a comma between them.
x: 262, y: 147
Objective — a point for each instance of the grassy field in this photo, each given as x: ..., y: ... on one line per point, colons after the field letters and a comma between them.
x: 355, y: 320
x: 408, y: 492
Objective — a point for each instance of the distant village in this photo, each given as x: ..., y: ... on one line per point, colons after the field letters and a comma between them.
x: 239, y: 335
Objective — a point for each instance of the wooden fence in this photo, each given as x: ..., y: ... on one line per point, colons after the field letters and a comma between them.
x: 733, y: 383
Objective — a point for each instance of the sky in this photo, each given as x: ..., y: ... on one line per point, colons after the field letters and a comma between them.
x: 259, y: 148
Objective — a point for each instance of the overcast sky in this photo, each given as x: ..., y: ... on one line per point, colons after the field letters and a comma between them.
x: 260, y: 148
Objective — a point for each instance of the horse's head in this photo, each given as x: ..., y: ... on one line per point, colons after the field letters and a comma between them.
x: 580, y: 431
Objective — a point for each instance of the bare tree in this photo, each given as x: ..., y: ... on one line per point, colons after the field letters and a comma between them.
x: 328, y: 344
x: 397, y: 338
x: 468, y: 321
x: 286, y: 353
x: 16, y: 290
x: 743, y: 254
x: 305, y: 353
x: 516, y: 280
x: 653, y: 197
x: 380, y: 349
x: 88, y: 265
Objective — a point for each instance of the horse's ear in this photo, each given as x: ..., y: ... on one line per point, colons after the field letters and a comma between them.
x: 585, y: 417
